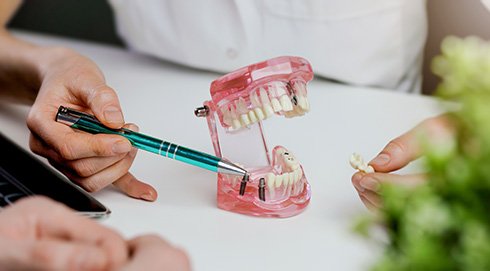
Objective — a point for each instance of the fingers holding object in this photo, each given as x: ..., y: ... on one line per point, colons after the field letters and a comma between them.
x: 402, y: 150
x: 373, y: 181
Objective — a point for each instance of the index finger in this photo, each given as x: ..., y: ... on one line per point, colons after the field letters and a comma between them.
x: 72, y: 144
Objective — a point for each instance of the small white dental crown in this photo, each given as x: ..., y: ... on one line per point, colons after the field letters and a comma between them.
x: 357, y: 163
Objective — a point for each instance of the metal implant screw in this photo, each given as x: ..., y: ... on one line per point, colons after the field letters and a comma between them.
x: 262, y: 189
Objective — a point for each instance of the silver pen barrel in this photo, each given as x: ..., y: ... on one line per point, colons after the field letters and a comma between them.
x: 227, y: 167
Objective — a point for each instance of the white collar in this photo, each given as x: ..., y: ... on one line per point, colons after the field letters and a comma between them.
x: 486, y: 3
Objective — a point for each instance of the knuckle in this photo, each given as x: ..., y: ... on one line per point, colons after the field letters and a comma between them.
x: 33, y: 120
x: 397, y: 144
x: 98, y: 147
x: 83, y: 168
x: 103, y: 92
x: 91, y: 185
x: 44, y: 256
x: 66, y: 150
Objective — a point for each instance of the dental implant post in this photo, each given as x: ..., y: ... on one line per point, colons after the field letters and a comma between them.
x: 243, y: 184
x: 262, y: 189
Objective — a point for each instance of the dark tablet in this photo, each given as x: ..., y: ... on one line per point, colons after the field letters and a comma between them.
x: 23, y: 175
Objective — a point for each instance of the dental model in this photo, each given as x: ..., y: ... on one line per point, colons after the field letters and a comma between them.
x: 357, y: 162
x: 276, y: 185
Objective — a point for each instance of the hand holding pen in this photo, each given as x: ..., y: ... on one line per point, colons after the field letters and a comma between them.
x: 89, y: 123
x: 91, y: 161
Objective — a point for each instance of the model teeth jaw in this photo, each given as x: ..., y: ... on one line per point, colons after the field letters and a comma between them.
x: 290, y: 181
x: 288, y: 99
x: 284, y: 185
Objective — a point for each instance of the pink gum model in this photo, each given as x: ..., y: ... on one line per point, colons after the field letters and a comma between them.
x: 240, y: 101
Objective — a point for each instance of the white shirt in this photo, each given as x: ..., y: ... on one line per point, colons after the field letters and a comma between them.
x: 360, y: 42
x: 486, y: 3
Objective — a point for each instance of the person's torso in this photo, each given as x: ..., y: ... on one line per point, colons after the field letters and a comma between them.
x: 362, y: 42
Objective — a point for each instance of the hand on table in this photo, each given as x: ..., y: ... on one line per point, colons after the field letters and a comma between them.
x: 397, y: 154
x: 91, y: 161
x: 39, y: 234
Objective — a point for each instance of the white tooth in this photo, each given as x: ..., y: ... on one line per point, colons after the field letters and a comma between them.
x: 300, y: 88
x: 254, y: 99
x: 266, y: 103
x: 307, y: 109
x: 268, y: 111
x: 279, y: 179
x: 241, y: 107
x: 279, y: 88
x: 297, y: 175
x: 300, y: 174
x: 270, y: 180
x: 235, y: 122
x: 245, y: 120
x: 302, y: 102
x: 369, y: 169
x: 259, y: 113
x: 264, y: 98
x: 251, y: 116
x: 286, y: 103
x: 362, y: 167
x: 286, y: 179
x: 276, y: 105
x: 227, y: 117
x: 356, y: 160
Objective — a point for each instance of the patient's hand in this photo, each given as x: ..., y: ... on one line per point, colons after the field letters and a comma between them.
x: 92, y: 161
x: 397, y: 154
x: 39, y: 234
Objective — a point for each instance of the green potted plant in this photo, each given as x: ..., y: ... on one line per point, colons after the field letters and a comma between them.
x: 444, y: 224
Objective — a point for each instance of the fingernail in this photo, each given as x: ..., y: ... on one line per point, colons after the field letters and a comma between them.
x: 380, y: 160
x: 369, y: 183
x: 121, y: 146
x: 113, y: 115
x: 355, y: 181
x: 147, y: 196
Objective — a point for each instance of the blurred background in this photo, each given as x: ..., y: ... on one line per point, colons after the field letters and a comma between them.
x: 94, y: 21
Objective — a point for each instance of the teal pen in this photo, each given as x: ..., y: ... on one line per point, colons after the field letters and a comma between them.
x: 90, y: 124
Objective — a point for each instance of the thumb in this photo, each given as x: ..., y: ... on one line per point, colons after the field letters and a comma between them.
x: 407, y: 147
x: 104, y: 103
x: 101, y: 99
x: 397, y: 154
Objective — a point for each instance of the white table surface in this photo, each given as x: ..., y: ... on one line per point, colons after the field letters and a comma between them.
x: 160, y: 97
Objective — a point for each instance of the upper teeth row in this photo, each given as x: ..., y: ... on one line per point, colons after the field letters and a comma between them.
x: 262, y: 106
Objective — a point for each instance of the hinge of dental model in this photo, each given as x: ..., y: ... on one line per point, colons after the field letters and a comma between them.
x: 262, y: 189
x: 243, y: 184
x: 202, y: 111
x: 357, y: 162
